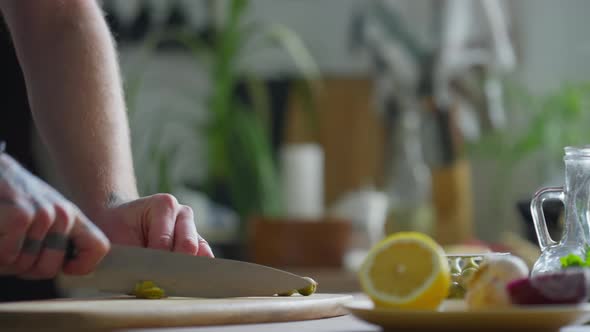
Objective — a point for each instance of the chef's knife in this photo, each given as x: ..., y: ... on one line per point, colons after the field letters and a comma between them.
x: 182, y: 275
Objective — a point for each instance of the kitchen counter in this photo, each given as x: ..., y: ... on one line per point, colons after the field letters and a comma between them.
x: 338, y: 324
x: 346, y: 323
x: 343, y: 324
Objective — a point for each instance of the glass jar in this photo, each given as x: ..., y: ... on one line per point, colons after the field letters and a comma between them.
x: 575, y: 196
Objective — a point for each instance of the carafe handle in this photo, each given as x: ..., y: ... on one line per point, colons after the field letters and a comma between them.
x: 548, y: 193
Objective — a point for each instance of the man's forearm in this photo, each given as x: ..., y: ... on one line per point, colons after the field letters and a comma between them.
x: 72, y: 76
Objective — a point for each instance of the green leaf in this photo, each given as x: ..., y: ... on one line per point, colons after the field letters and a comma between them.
x: 572, y: 260
x: 281, y: 36
x: 296, y: 49
x: 260, y: 100
x: 551, y: 122
x: 164, y: 182
x: 253, y: 175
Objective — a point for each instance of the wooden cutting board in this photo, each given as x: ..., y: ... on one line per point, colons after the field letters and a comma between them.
x: 129, y: 312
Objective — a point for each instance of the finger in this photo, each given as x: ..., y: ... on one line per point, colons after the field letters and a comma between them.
x: 33, y: 243
x: 161, y: 221
x: 186, y: 239
x: 50, y: 260
x: 91, y: 246
x: 16, y: 217
x: 204, y: 248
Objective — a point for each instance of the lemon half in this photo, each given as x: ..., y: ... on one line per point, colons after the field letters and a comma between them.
x: 406, y: 270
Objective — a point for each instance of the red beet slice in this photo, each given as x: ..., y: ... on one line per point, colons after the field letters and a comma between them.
x: 570, y: 286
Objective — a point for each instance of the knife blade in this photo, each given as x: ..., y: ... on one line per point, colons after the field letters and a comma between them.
x: 182, y: 275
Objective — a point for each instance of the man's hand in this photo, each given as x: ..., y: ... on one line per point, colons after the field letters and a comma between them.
x: 157, y: 222
x: 35, y: 225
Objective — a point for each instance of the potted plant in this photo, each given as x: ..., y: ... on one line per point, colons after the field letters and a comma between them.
x: 242, y: 168
x: 542, y: 125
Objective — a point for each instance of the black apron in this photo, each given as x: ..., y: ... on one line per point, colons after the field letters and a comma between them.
x: 16, y: 129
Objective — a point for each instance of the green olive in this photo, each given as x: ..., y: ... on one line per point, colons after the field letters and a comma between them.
x: 309, y: 289
x: 472, y: 263
x: 454, y: 265
x: 466, y: 275
x: 456, y: 291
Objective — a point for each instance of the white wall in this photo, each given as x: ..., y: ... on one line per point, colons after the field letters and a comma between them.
x: 555, y: 41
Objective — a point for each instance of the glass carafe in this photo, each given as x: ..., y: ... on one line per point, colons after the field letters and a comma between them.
x: 575, y: 196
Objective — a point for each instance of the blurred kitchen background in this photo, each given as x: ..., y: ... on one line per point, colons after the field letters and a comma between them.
x: 301, y: 132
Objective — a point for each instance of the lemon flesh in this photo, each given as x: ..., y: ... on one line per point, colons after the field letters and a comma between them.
x: 406, y: 270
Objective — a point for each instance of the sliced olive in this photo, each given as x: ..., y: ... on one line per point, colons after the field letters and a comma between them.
x: 309, y: 289
x: 148, y: 290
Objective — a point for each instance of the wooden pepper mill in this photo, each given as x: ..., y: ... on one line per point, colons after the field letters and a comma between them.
x: 451, y: 179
